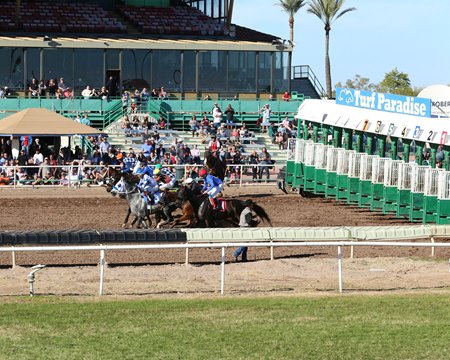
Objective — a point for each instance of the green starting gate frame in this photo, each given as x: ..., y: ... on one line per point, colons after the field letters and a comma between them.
x: 354, y: 174
x: 417, y: 192
x: 404, y: 190
x: 430, y: 199
x: 377, y: 188
x: 391, y: 181
x: 443, y: 205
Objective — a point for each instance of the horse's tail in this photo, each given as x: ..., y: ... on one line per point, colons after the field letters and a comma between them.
x: 261, y: 213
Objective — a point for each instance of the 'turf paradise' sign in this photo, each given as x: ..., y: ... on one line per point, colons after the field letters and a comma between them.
x: 400, y: 104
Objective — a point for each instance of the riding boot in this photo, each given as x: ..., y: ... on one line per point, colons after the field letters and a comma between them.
x: 213, y: 203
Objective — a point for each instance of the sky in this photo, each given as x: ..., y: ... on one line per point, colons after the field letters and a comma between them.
x: 410, y: 35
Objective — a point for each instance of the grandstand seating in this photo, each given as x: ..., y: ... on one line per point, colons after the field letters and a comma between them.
x: 176, y: 20
x: 59, y: 17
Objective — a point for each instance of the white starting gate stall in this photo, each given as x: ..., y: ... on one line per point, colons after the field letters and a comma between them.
x: 430, y: 198
x: 320, y: 162
x: 342, y: 174
x: 309, y: 166
x: 354, y: 173
x: 332, y: 163
x: 405, y: 173
x: 297, y: 180
x: 417, y: 192
x: 379, y: 165
x: 365, y: 181
x: 290, y: 162
x: 390, y: 191
x: 443, y: 205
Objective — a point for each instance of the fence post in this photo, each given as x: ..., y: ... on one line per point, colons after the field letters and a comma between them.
x: 222, y: 275
x: 432, y: 248
x: 340, y: 267
x: 15, y: 177
x: 102, y: 270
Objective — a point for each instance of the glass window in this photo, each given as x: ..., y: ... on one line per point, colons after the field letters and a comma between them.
x: 33, y: 64
x: 264, y: 66
x: 281, y: 72
x: 137, y: 69
x: 88, y: 68
x: 166, y: 68
x: 59, y: 63
x: 11, y: 71
x: 189, y: 71
x: 212, y: 70
x: 241, y: 71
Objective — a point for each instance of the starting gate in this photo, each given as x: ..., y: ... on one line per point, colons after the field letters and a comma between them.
x: 320, y: 162
x: 290, y: 162
x: 443, y: 206
x: 342, y: 174
x: 405, y: 173
x: 417, y: 189
x: 354, y: 174
x: 377, y: 190
x: 365, y: 181
x: 309, y: 166
x: 390, y: 191
x: 297, y: 180
x: 430, y: 198
x: 332, y: 163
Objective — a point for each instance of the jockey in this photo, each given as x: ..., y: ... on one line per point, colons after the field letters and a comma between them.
x: 143, y: 168
x: 213, y: 186
x: 167, y: 178
x: 150, y: 188
x: 129, y: 163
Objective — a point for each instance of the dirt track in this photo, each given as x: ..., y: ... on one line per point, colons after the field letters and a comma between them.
x: 93, y: 208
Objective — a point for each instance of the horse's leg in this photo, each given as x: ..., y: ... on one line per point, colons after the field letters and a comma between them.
x: 127, y: 217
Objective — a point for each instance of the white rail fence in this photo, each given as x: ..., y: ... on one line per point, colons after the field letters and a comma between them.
x: 223, y: 247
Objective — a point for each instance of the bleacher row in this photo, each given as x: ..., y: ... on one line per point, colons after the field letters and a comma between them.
x: 91, y: 18
x: 173, y: 20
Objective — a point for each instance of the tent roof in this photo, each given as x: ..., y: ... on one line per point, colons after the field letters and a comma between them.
x: 42, y: 122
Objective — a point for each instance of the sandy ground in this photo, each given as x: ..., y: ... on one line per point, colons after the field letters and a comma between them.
x: 163, y: 273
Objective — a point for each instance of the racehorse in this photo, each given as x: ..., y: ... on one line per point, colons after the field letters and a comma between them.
x: 215, y: 166
x: 110, y: 176
x: 231, y: 212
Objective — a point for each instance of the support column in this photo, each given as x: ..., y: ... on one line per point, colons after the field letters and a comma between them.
x: 337, y: 137
x: 406, y: 151
x: 433, y: 156
x: 358, y: 145
x: 381, y: 146
x: 369, y: 144
x: 324, y: 139
x: 305, y: 131
x: 419, y: 154
x: 315, y: 133
x: 347, y: 143
x: 393, y: 150
x: 446, y: 162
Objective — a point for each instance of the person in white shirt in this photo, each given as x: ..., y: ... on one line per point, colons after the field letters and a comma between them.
x: 38, y: 158
x: 87, y: 93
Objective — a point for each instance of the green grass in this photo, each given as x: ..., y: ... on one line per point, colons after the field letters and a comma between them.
x: 329, y: 327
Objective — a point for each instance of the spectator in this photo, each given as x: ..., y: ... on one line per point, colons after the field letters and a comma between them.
x: 126, y: 126
x: 193, y: 124
x: 147, y: 148
x: 163, y: 94
x: 229, y: 112
x: 85, y: 120
x: 63, y: 90
x: 214, y: 144
x: 38, y: 158
x: 217, y: 115
x: 154, y: 94
x: 104, y: 146
x: 33, y: 89
x: 266, y: 112
x: 195, y: 153
x: 265, y: 160
x: 42, y: 89
x: 103, y: 94
x: 87, y: 93
x: 52, y: 88
x: 254, y: 161
x: 111, y: 86
x: 286, y: 96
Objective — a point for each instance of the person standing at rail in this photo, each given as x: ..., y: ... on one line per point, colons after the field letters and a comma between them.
x: 245, y: 220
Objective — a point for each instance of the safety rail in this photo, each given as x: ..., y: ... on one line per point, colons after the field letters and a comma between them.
x: 392, y: 172
x: 367, y: 167
x: 418, y: 178
x: 224, y: 243
x: 432, y: 181
x: 444, y: 185
x: 343, y: 162
x: 241, y: 175
x: 378, y: 166
x: 332, y: 158
x: 320, y: 156
x: 405, y: 175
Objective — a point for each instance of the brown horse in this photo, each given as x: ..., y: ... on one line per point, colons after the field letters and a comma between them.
x: 214, y: 165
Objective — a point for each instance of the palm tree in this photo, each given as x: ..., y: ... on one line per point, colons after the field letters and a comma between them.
x: 328, y: 11
x: 291, y: 7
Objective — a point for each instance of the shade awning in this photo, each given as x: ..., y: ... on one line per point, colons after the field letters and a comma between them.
x: 43, y: 122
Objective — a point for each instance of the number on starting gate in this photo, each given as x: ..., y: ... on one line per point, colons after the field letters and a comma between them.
x: 443, y: 138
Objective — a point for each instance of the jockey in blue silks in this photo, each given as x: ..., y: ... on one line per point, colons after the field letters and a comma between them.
x: 212, y: 186
x: 150, y: 188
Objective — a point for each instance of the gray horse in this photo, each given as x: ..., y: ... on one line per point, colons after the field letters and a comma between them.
x: 136, y: 203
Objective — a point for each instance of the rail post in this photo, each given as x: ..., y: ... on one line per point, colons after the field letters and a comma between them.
x: 340, y: 267
x: 187, y: 257
x: 222, y: 273
x: 102, y: 271
x: 432, y: 248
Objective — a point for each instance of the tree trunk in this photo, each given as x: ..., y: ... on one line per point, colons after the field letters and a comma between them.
x: 327, y: 64
x: 291, y: 30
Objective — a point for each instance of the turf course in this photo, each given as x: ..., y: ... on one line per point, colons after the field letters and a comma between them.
x: 326, y: 327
